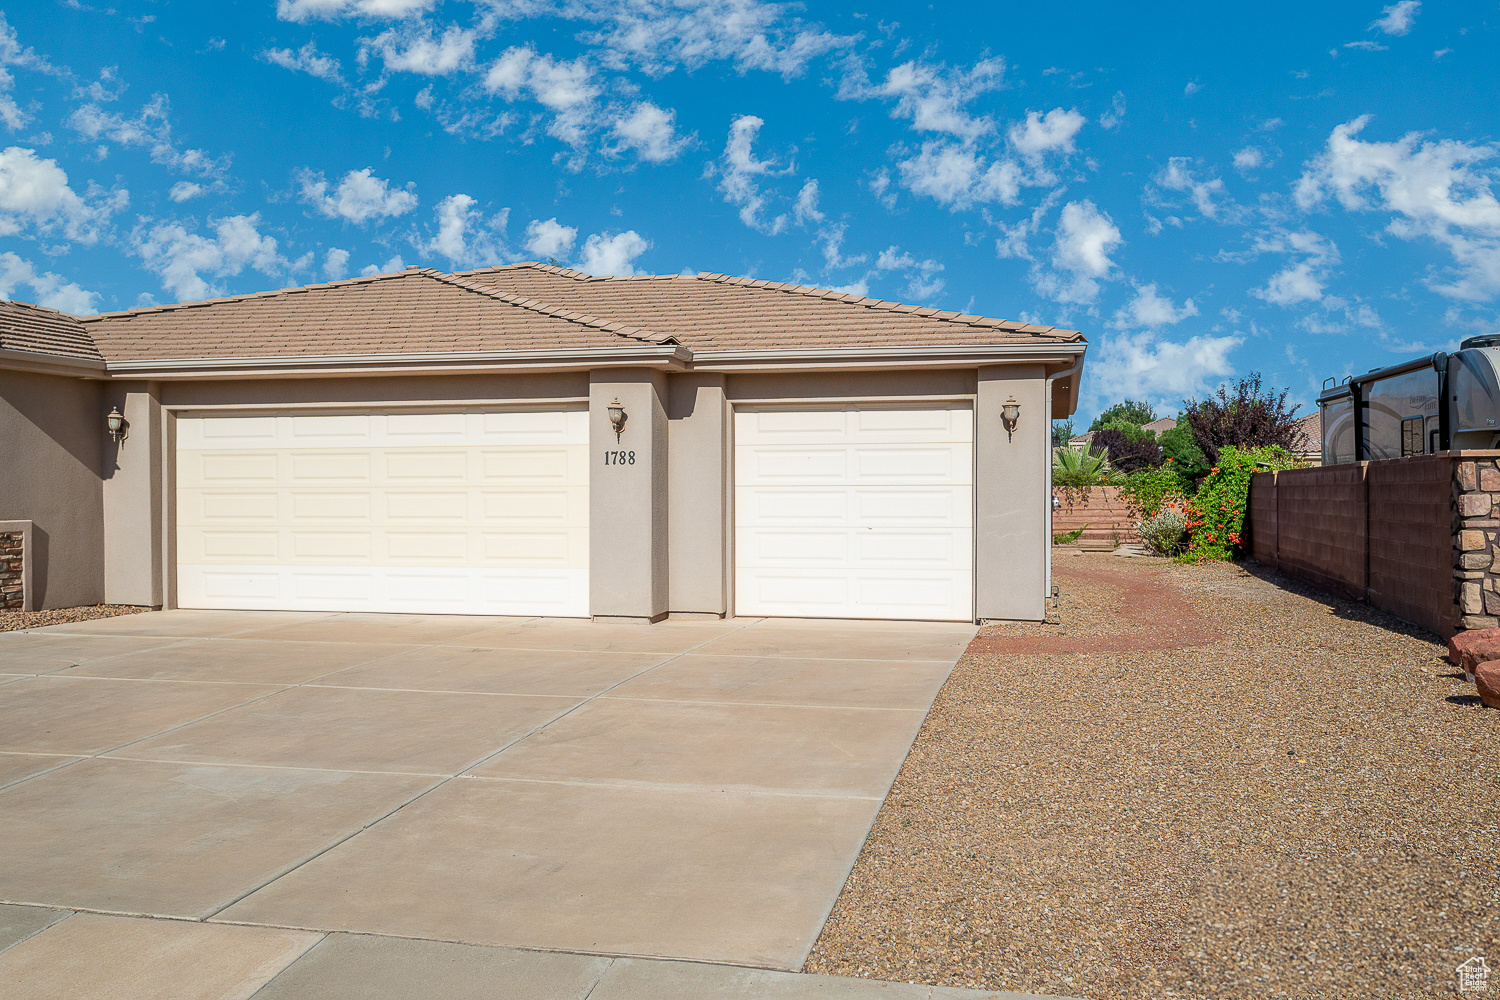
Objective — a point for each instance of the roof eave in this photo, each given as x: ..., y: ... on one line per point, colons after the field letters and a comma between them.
x: 919, y: 356
x: 667, y: 356
x: 51, y: 364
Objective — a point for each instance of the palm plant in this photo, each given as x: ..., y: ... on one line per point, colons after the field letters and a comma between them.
x: 1078, y: 469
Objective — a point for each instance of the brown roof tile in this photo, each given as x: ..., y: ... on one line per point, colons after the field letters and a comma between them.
x: 38, y: 330
x: 723, y: 312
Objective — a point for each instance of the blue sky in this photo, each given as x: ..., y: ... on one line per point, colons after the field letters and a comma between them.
x: 1205, y: 190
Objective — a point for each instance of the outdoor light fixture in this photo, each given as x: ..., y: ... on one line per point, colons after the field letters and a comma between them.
x: 119, y: 427
x: 617, y: 418
x: 1010, y: 415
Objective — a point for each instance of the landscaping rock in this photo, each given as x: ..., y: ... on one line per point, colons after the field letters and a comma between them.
x: 1479, y: 652
x: 1463, y: 640
x: 1487, y: 680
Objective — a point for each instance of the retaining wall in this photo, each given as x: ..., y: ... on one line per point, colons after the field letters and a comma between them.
x: 1104, y: 515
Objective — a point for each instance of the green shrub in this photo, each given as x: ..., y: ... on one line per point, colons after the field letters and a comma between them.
x: 1163, y: 532
x: 1068, y: 537
x: 1148, y: 489
x: 1077, y: 470
x: 1182, y: 451
x: 1216, y: 513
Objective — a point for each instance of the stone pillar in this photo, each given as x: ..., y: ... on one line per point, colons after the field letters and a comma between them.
x: 628, y: 496
x: 12, y: 566
x: 1012, y: 547
x: 132, y: 474
x: 698, y: 435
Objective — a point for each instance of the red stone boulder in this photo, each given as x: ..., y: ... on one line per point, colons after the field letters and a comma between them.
x: 1487, y: 679
x: 1478, y: 652
x: 1463, y: 640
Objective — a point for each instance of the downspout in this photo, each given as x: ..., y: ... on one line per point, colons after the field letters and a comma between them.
x: 1050, y: 379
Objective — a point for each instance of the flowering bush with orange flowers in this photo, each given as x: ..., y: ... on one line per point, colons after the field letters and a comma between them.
x: 1216, y: 513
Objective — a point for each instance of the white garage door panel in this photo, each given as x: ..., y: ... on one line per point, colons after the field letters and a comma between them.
x: 481, y: 512
x: 858, y: 512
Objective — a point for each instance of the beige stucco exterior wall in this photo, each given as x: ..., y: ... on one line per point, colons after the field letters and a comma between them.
x: 50, y: 458
x: 1012, y: 550
x: 628, y: 556
x: 699, y: 494
x: 132, y: 473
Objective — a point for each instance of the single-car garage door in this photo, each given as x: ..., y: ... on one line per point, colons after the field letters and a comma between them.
x: 855, y: 512
x: 477, y: 512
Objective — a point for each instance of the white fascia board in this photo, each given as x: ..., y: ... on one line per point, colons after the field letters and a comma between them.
x: 887, y: 357
x: 51, y: 364
x: 650, y: 356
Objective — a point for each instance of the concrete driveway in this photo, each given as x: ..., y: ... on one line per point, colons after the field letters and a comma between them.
x: 686, y: 790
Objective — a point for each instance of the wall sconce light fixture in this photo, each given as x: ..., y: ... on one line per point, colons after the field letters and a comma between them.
x: 119, y: 427
x: 617, y: 418
x: 1010, y: 415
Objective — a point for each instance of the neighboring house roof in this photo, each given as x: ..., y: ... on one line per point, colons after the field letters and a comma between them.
x: 1309, y: 435
x: 1160, y: 427
x: 717, y: 312
x: 38, y: 330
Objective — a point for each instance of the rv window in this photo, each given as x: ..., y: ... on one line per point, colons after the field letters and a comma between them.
x: 1411, y: 436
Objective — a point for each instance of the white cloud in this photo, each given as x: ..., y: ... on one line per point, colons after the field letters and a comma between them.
x: 936, y: 99
x: 1193, y: 86
x: 1116, y: 112
x: 806, y: 208
x: 464, y: 235
x: 188, y: 262
x: 549, y: 238
x: 307, y: 60
x: 1249, y: 158
x: 185, y: 191
x: 1365, y: 45
x: 1301, y: 280
x: 47, y: 289
x: 333, y: 10
x: 558, y: 84
x: 650, y: 131
x: 957, y: 176
x: 1398, y: 18
x: 1151, y: 309
x: 34, y: 193
x: 1439, y: 190
x: 657, y: 36
x: 923, y: 284
x: 738, y: 169
x: 336, y: 264
x: 613, y: 255
x: 152, y: 128
x: 1179, y: 176
x: 1143, y: 366
x: 418, y: 51
x: 13, y: 53
x: 1084, y: 238
x: 389, y: 267
x: 1049, y: 133
x: 359, y: 197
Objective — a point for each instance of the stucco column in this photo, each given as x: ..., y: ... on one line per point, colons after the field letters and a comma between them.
x: 628, y: 496
x: 132, y: 472
x: 698, y: 483
x: 1012, y: 549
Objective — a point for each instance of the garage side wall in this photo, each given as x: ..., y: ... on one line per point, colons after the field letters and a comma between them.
x: 1011, y: 493
x: 51, y: 436
x: 698, y: 494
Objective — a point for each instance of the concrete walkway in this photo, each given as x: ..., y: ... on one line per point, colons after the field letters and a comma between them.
x: 690, y: 790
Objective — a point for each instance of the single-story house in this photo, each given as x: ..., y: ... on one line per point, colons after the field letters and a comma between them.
x: 530, y: 440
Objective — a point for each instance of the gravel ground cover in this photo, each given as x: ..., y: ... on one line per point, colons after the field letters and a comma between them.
x: 11, y: 621
x: 1207, y: 781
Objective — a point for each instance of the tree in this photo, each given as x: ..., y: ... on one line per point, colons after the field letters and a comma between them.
x: 1062, y: 430
x: 1241, y: 418
x: 1181, y: 447
x: 1132, y: 412
x: 1129, y: 448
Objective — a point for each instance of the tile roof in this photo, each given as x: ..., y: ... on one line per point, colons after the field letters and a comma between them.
x: 409, y: 312
x: 38, y: 330
x: 720, y: 312
x: 519, y: 307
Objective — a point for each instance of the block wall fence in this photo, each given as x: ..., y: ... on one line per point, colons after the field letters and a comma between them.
x: 1103, y: 515
x: 1416, y: 537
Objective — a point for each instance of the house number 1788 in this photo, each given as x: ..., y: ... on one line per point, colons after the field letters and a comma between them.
x: 619, y: 458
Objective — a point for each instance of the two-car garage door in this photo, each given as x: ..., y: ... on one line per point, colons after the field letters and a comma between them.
x: 479, y: 512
